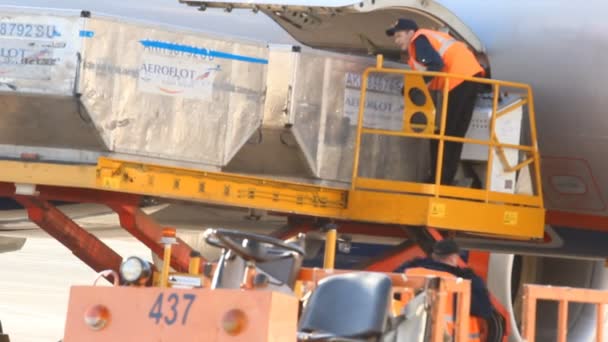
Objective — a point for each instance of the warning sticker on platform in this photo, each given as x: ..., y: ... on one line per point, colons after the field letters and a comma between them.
x: 437, y: 210
x: 176, y: 77
x: 111, y: 182
x: 510, y: 218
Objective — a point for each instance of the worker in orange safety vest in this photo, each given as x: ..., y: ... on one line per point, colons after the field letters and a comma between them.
x: 430, y: 50
x: 444, y: 262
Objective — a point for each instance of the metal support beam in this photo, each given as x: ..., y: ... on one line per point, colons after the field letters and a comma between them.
x: 396, y: 257
x: 133, y: 219
x: 142, y: 227
x: 373, y: 229
x: 83, y: 244
x: 7, y: 189
x: 86, y: 195
x: 295, y: 225
x: 76, y: 195
x: 299, y: 223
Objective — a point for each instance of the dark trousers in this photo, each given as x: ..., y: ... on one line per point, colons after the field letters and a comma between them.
x: 461, y: 102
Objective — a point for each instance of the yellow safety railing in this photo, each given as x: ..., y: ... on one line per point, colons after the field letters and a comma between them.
x: 415, y: 78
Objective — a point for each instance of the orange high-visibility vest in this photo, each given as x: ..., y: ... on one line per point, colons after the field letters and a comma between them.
x: 450, y: 317
x: 457, y: 58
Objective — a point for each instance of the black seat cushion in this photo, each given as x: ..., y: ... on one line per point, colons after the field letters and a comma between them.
x: 348, y: 305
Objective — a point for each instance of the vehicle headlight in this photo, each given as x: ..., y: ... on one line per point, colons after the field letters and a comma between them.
x: 135, y: 271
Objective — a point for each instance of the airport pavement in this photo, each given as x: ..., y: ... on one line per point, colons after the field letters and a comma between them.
x: 35, y: 284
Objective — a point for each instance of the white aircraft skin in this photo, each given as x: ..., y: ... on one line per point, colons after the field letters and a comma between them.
x: 556, y: 46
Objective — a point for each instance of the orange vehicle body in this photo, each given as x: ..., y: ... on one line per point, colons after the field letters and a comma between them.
x: 157, y: 314
x: 139, y: 313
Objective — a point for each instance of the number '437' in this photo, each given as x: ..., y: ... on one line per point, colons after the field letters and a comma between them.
x: 173, y: 309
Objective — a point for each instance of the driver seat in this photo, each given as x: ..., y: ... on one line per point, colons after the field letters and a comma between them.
x: 282, y: 273
x: 347, y: 307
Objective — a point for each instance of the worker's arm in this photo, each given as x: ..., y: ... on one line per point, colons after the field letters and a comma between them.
x: 426, y: 54
x: 481, y: 305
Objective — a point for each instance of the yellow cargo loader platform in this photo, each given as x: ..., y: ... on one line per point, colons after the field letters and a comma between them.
x: 515, y: 215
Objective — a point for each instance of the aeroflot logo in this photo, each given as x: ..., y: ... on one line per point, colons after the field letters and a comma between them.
x: 175, y: 72
x: 188, y: 71
x: 169, y: 76
x: 168, y: 71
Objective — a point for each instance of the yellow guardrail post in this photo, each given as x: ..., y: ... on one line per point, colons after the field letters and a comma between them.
x: 360, y: 125
x: 168, y: 238
x: 495, y: 95
x: 379, y: 61
x: 330, y: 247
x: 195, y: 263
x: 440, y: 146
x: 533, y: 136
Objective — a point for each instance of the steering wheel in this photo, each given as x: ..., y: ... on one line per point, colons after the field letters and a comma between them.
x: 254, y: 249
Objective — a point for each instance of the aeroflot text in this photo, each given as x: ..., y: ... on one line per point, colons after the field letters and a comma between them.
x: 171, y: 71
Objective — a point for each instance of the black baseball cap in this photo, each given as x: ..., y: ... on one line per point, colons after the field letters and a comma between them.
x: 402, y: 24
x: 446, y: 247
